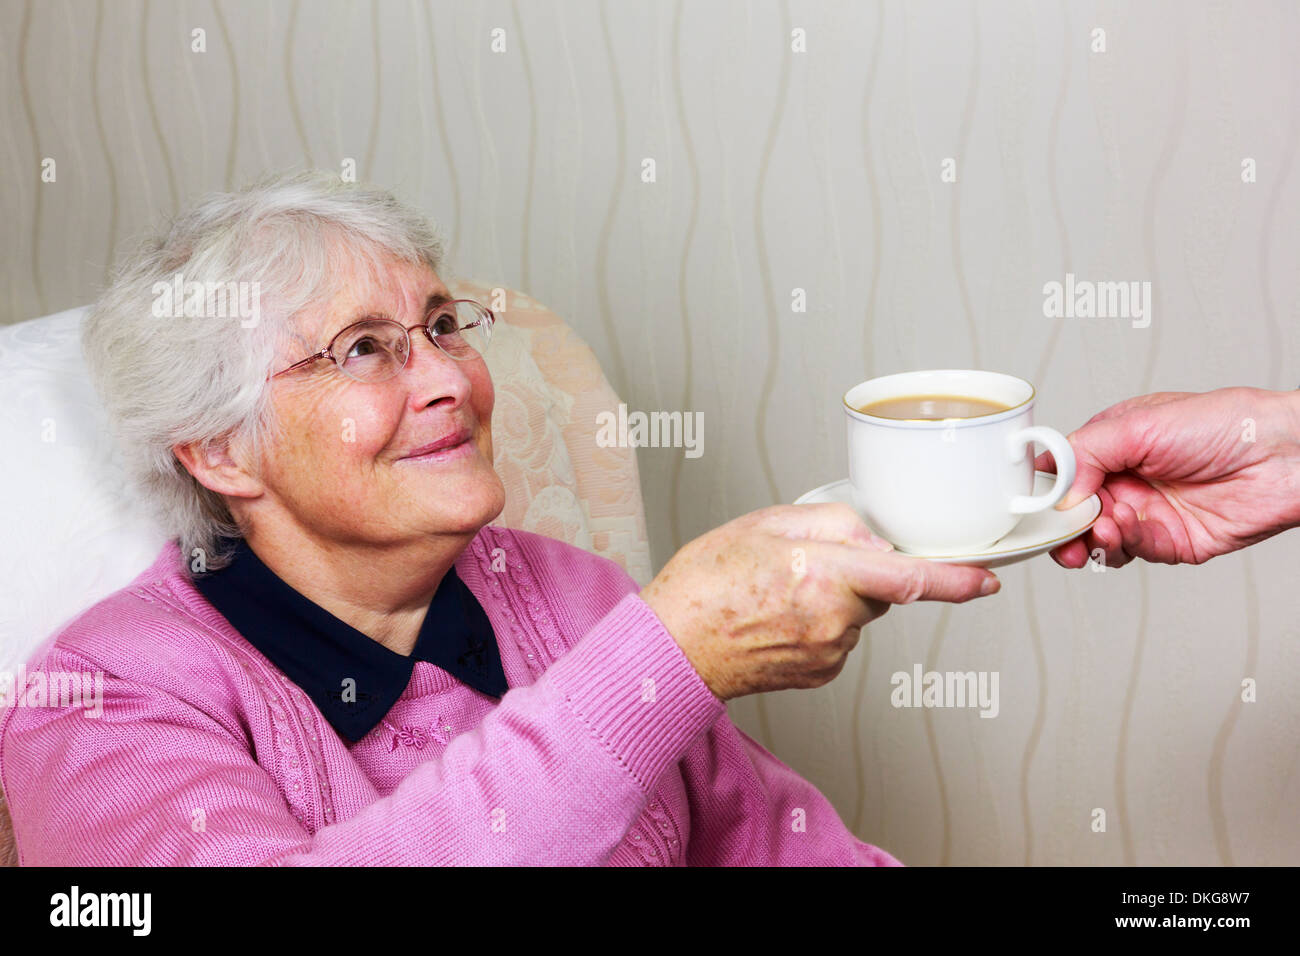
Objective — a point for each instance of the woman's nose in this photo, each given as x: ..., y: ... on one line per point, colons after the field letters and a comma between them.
x: 428, y: 367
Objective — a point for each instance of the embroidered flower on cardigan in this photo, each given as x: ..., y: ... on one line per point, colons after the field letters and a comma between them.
x: 410, y: 736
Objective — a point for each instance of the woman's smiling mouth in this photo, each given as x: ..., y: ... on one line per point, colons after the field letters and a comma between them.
x: 458, y: 444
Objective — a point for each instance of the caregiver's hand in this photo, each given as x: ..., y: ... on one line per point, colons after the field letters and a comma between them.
x: 775, y: 598
x: 1180, y: 479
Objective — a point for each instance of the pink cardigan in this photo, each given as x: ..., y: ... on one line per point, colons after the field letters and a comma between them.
x: 608, y: 749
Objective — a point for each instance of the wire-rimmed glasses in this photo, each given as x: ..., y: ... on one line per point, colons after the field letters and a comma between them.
x: 376, y: 349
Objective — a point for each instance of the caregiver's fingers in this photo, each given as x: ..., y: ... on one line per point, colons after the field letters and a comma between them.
x: 1105, y: 539
x: 1105, y: 444
x: 1106, y: 544
x: 1072, y: 555
x: 1103, y: 544
x: 1152, y: 527
x: 1096, y: 547
x: 1138, y: 401
x: 1148, y: 538
x: 1103, y: 448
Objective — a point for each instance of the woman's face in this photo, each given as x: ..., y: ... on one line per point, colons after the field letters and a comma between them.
x: 341, y: 466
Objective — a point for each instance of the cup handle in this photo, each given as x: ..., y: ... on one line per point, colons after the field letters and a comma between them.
x: 1060, y: 448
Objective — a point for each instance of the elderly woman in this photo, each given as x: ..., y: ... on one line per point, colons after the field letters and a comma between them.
x: 336, y: 660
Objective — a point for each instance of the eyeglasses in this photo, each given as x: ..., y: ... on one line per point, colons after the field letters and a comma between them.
x: 374, y: 350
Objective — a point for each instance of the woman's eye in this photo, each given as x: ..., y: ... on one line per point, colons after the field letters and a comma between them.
x: 365, y: 346
x: 444, y: 325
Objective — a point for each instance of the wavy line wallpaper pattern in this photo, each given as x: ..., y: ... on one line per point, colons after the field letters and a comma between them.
x: 819, y: 171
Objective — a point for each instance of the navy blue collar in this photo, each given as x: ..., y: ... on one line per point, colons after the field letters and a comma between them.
x: 353, y: 679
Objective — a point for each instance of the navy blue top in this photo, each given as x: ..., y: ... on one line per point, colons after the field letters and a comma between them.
x: 319, y: 652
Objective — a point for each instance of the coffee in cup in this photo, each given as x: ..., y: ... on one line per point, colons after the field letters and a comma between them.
x: 941, y: 462
x: 931, y: 407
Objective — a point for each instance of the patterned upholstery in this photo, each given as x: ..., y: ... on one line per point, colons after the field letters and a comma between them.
x: 80, y: 534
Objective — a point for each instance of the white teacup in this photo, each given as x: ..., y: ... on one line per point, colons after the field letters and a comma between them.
x: 951, y: 486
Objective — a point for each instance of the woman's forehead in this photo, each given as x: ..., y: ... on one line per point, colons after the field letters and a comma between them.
x: 400, y: 290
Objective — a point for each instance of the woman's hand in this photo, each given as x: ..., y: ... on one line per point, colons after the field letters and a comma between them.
x: 1185, y: 476
x: 775, y: 598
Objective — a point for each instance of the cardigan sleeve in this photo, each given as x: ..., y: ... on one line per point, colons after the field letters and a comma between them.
x: 746, y: 806
x: 750, y: 809
x: 554, y: 775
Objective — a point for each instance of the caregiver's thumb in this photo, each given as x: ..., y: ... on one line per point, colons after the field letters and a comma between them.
x: 1102, y: 448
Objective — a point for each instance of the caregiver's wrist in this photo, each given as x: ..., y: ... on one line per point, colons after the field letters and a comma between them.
x: 1288, y: 421
x: 1290, y: 401
x: 1285, y: 450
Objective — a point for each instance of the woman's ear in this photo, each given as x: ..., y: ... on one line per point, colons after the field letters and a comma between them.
x: 213, y: 466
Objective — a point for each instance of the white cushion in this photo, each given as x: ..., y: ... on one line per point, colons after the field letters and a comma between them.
x: 74, y: 532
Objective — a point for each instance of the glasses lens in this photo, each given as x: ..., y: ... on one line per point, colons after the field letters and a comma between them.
x: 371, y: 351
x: 461, y: 329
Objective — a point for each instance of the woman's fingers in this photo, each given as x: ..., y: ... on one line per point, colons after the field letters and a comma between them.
x: 876, y: 609
x: 827, y: 521
x: 899, y: 579
x: 849, y: 639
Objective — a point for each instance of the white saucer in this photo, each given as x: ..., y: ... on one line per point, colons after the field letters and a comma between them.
x: 1035, y: 534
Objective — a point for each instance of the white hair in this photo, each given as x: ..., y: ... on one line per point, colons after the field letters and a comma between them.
x: 170, y: 380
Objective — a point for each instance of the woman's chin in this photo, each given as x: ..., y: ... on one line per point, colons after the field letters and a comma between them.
x: 495, y: 501
x: 453, y: 497
x: 476, y: 505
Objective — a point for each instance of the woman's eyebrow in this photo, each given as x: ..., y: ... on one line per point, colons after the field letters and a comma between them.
x: 435, y: 299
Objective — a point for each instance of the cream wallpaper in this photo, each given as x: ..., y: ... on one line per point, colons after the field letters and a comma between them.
x: 745, y: 208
